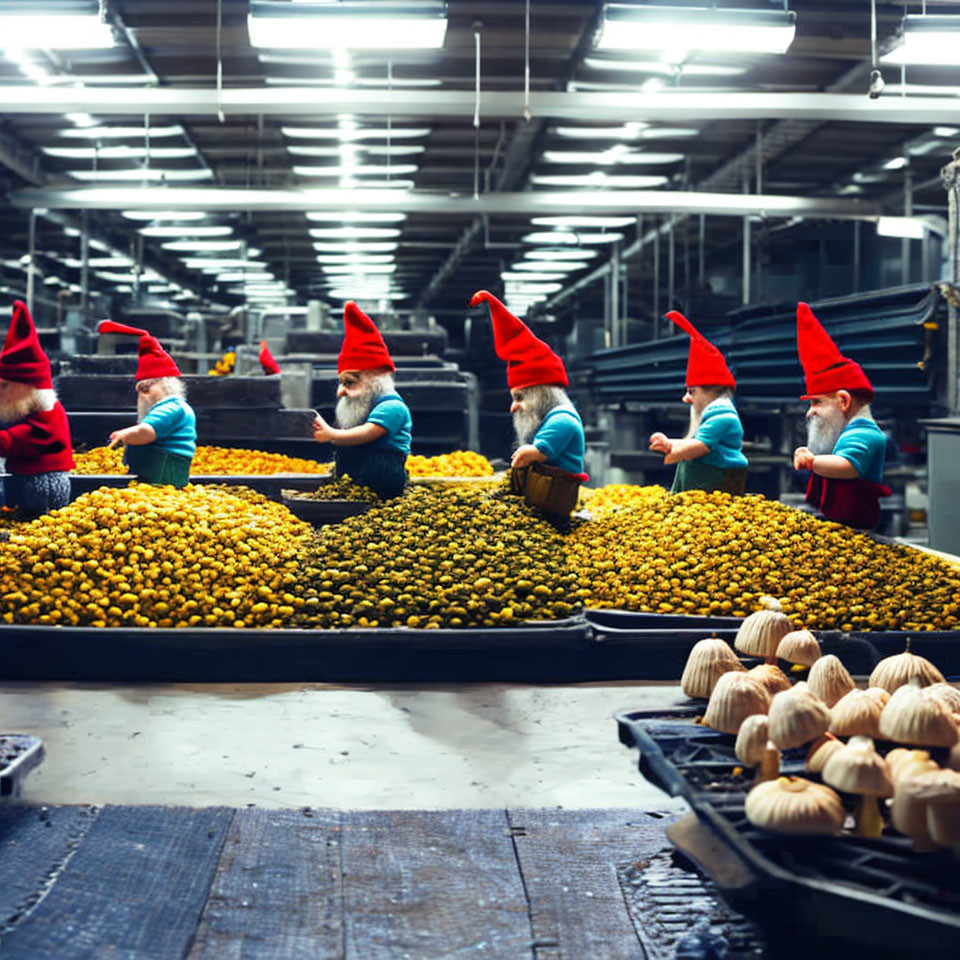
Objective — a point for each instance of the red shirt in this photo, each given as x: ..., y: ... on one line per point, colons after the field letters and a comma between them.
x: 38, y: 444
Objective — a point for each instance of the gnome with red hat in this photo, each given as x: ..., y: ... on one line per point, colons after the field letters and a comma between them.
x: 373, y: 425
x: 845, y: 448
x: 548, y: 428
x: 709, y: 457
x: 161, y: 445
x: 35, y: 435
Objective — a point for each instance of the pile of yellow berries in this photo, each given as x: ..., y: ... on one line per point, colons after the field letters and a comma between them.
x: 207, y: 461
x: 710, y: 553
x: 156, y: 556
x: 343, y: 488
x: 604, y: 501
x: 225, y: 365
x: 460, y: 463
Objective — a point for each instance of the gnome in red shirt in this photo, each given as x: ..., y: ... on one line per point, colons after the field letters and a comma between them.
x: 35, y: 436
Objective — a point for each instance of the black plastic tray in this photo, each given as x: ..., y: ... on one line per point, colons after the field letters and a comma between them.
x: 831, y: 892
x: 19, y: 754
x: 322, y: 512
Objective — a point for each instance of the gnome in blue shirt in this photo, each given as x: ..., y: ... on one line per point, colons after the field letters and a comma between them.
x: 159, y: 448
x: 709, y: 457
x: 373, y: 431
x: 549, y: 429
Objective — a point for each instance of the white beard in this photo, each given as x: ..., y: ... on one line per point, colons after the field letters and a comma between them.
x: 22, y: 400
x: 824, y: 430
x: 695, y: 417
x: 352, y: 411
x: 525, y: 424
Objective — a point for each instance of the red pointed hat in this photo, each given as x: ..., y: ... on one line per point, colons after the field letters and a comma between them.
x: 530, y: 362
x: 267, y: 361
x: 363, y: 347
x: 705, y: 364
x: 825, y: 368
x: 23, y: 359
x: 154, y: 362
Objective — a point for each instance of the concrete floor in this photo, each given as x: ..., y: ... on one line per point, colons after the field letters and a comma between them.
x: 346, y: 747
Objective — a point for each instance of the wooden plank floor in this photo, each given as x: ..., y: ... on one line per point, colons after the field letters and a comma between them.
x: 168, y: 883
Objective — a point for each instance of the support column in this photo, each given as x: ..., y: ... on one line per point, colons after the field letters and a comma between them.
x: 32, y: 258
x: 656, y: 282
x: 614, y: 287
x: 85, y: 267
x: 671, y: 266
x: 907, y: 212
x: 950, y: 175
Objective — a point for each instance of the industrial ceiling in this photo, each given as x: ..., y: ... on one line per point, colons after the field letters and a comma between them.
x: 518, y: 116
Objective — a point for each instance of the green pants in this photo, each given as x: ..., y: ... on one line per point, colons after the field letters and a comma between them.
x: 153, y: 464
x: 697, y: 475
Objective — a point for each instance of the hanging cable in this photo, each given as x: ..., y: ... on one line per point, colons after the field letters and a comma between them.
x: 476, y: 115
x: 876, y: 78
x: 526, y: 65
x: 220, y: 115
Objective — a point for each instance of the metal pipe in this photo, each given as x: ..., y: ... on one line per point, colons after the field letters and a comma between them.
x: 614, y: 286
x: 85, y: 266
x: 671, y: 266
x: 907, y: 211
x: 856, y: 256
x: 675, y: 106
x: 746, y: 261
x: 656, y: 284
x: 570, y: 202
x: 701, y: 251
x: 950, y: 176
x: 31, y: 258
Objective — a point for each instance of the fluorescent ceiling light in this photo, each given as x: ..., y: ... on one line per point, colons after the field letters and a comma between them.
x: 531, y: 276
x: 360, y: 258
x: 353, y: 233
x: 355, y: 246
x: 83, y: 120
x: 361, y: 269
x: 946, y: 132
x: 539, y: 266
x: 223, y: 263
x: 617, y: 154
x: 560, y: 254
x: 377, y: 150
x: 215, y: 246
x: 521, y: 288
x: 382, y: 84
x: 354, y: 216
x: 350, y: 182
x: 629, y: 131
x: 151, y: 173
x: 366, y: 133
x: 599, y: 179
x: 353, y: 26
x: 674, y: 32
x: 927, y: 40
x: 565, y: 237
x: 164, y: 214
x: 599, y: 222
x: 897, y: 163
x: 109, y: 262
x: 118, y: 133
x: 119, y: 153
x: 54, y: 31
x: 667, y: 69
x: 356, y: 170
x: 186, y: 230
x: 909, y: 227
x: 344, y: 293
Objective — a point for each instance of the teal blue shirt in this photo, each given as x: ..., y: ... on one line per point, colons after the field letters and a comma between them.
x: 391, y: 413
x: 862, y: 443
x: 560, y: 439
x: 720, y: 429
x: 175, y: 425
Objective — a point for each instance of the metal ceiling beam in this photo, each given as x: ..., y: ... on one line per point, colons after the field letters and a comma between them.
x: 674, y: 107
x: 225, y: 199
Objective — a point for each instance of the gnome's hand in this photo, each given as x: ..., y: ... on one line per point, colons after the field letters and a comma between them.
x: 803, y: 458
x: 115, y: 438
x: 322, y: 430
x: 526, y: 455
x: 661, y: 443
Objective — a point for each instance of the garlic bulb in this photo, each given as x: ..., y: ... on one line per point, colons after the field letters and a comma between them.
x: 821, y: 751
x: 797, y: 717
x: 735, y: 697
x: 771, y: 676
x: 760, y: 633
x: 893, y: 672
x: 856, y: 713
x: 912, y: 718
x: 794, y: 805
x: 799, y: 646
x: 708, y: 660
x: 946, y: 693
x: 829, y: 679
